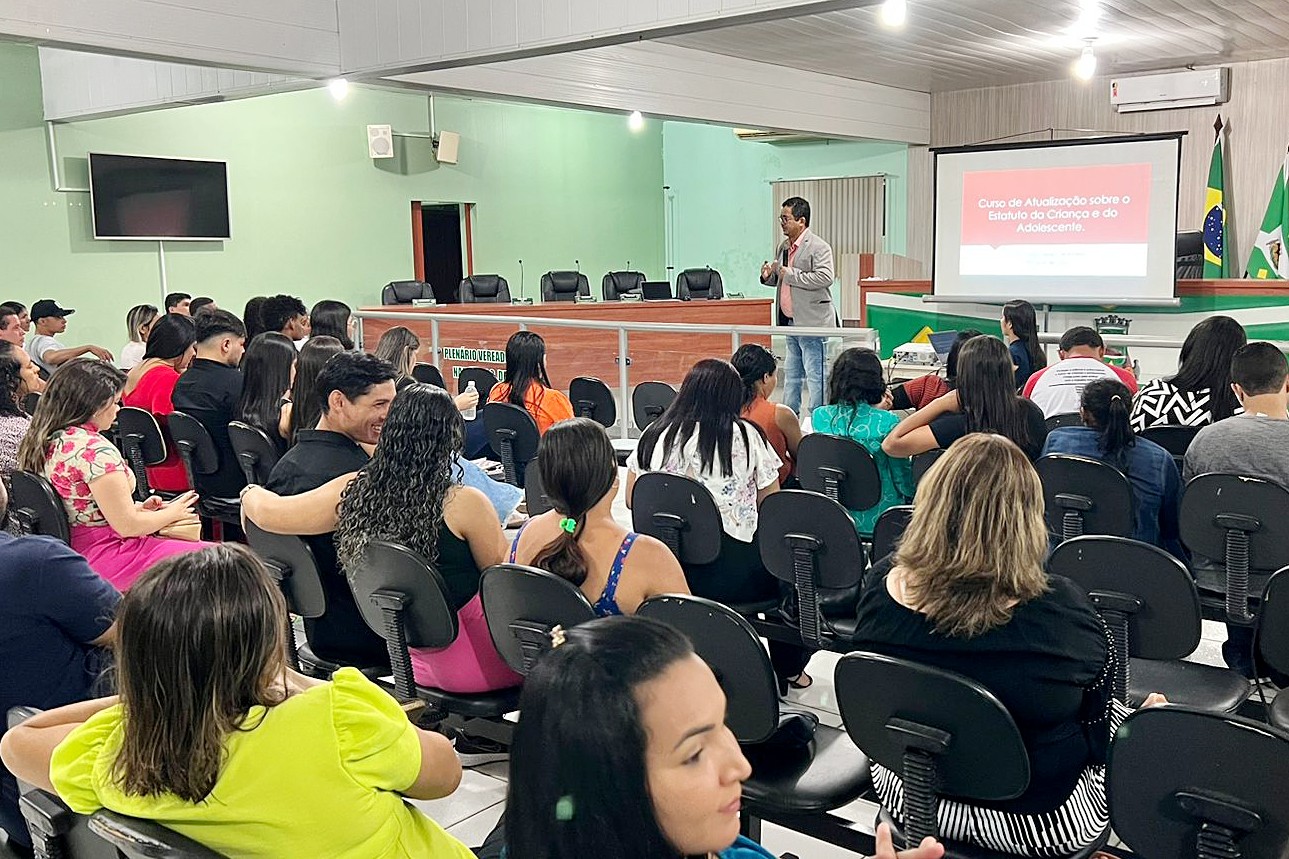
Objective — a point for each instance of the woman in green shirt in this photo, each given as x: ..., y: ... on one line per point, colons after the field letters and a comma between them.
x: 858, y: 409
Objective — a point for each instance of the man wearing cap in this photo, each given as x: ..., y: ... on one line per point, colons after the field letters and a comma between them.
x: 47, y: 352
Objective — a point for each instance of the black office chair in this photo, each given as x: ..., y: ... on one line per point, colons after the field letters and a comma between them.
x: 30, y: 402
x: 1082, y: 495
x: 484, y: 289
x: 146, y: 839
x: 1187, y: 783
x: 648, y: 401
x: 405, y: 292
x: 256, y: 453
x: 809, y: 542
x: 291, y: 563
x: 619, y: 283
x: 484, y: 381
x: 698, y: 283
x: 790, y: 780
x: 428, y: 374
x: 942, y: 733
x: 523, y: 605
x: 564, y: 286
x: 889, y: 528
x: 840, y: 468
x: 143, y: 444
x: 1149, y: 603
x: 1174, y: 439
x: 1066, y: 419
x: 1242, y: 522
x: 200, y: 457
x: 35, y: 508
x: 405, y: 601
x: 1271, y: 645
x: 923, y: 461
x: 535, y: 498
x: 592, y: 399
x: 513, y: 434
x: 1189, y: 258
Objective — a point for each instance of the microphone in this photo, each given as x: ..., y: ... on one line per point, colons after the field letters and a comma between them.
x: 577, y: 263
x: 521, y: 280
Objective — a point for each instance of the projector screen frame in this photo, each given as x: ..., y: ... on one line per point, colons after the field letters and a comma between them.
x: 1101, y: 301
x: 89, y: 160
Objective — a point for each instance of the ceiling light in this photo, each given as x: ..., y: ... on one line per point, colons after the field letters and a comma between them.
x: 339, y: 88
x: 635, y: 121
x: 894, y: 12
x: 1086, y: 65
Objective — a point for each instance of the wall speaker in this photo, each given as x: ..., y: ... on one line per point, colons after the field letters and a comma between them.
x: 380, y: 141
x: 449, y: 143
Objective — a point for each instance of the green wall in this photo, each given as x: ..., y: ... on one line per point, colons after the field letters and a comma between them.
x: 724, y: 214
x: 312, y: 215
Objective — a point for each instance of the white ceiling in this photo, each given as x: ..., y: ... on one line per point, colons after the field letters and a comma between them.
x: 961, y: 44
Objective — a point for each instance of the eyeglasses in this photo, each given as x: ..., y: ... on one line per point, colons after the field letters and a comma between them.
x: 783, y: 219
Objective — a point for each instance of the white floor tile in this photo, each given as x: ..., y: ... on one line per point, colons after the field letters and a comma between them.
x: 476, y: 793
x: 821, y: 694
x: 473, y: 830
x: 498, y: 769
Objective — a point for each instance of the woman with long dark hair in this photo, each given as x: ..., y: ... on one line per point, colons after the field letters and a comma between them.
x: 579, y: 539
x: 268, y: 369
x: 1107, y: 435
x: 216, y: 738
x: 527, y: 384
x: 14, y: 422
x: 984, y: 401
x: 252, y: 317
x: 921, y: 392
x: 172, y: 344
x: 1200, y: 393
x: 332, y: 319
x: 759, y: 371
x: 305, y: 408
x: 1020, y: 328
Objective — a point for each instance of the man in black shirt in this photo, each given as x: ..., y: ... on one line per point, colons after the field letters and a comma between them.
x: 356, y: 390
x: 209, y: 391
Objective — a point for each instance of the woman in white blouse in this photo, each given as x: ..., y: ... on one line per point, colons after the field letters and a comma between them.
x: 138, y: 323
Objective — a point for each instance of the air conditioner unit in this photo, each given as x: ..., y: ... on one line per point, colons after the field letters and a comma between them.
x: 757, y: 135
x: 1171, y: 90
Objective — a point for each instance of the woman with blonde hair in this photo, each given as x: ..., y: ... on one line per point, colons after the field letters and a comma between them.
x: 399, y: 346
x: 966, y: 592
x: 138, y: 324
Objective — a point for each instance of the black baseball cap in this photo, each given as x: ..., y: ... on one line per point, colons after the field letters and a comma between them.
x: 48, y: 307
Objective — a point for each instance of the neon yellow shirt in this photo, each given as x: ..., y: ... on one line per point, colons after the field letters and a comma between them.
x: 317, y: 775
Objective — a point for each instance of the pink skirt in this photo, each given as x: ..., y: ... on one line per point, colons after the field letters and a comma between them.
x: 121, y: 560
x: 468, y: 665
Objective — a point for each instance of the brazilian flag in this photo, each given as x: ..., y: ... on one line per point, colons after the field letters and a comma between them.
x: 1216, y: 261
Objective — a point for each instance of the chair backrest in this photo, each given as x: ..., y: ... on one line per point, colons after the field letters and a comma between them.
x: 513, y: 435
x: 428, y: 374
x: 564, y: 285
x: 699, y: 283
x: 484, y: 381
x: 1065, y: 419
x: 256, y: 454
x: 142, y: 442
x: 146, y: 839
x: 1180, y: 778
x: 522, y: 605
x: 592, y: 399
x: 290, y: 561
x: 484, y: 289
x: 405, y: 292
x: 731, y: 648
x: 1271, y: 636
x: 923, y: 461
x: 535, y: 498
x: 840, y: 468
x: 649, y: 400
x: 1082, y: 495
x: 680, y: 512
x: 889, y: 528
x: 618, y: 283
x: 35, y: 507
x: 196, y: 448
x: 1174, y: 439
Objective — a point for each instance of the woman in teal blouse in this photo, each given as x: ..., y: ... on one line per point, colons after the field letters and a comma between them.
x: 857, y: 409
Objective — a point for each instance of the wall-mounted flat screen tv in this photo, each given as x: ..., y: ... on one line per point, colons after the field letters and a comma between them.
x: 171, y: 199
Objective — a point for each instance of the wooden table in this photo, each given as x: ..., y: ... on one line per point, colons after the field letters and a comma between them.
x: 571, y: 352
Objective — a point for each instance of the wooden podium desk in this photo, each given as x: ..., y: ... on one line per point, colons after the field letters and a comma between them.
x: 572, y: 352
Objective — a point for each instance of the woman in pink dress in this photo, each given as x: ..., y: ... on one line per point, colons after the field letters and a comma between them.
x: 150, y: 385
x: 116, y: 534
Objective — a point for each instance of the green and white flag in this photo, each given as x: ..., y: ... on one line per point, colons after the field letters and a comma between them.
x: 1270, y: 257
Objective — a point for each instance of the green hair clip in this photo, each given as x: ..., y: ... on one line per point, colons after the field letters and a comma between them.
x: 569, y: 525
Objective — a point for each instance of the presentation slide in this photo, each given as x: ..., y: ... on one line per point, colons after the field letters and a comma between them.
x: 1057, y: 224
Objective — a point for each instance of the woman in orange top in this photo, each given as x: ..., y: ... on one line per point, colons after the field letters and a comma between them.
x: 149, y: 386
x: 758, y: 369
x: 527, y: 384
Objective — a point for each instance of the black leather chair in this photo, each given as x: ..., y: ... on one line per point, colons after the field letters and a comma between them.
x: 564, y: 286
x: 143, y: 444
x: 923, y: 461
x: 1189, y: 258
x: 1082, y: 495
x: 840, y: 468
x: 291, y: 563
x: 1174, y: 439
x: 513, y: 434
x: 698, y: 283
x: 1243, y: 523
x: 791, y: 782
x: 810, y: 543
x: 256, y: 453
x: 30, y: 402
x: 405, y: 601
x: 1066, y: 419
x: 146, y: 839
x: 484, y: 381
x: 1187, y: 783
x: 428, y: 374
x: 199, y: 455
x: 405, y: 292
x: 592, y: 399
x: 1271, y: 645
x: 484, y: 289
x: 942, y: 733
x: 35, y: 508
x: 1148, y: 602
x: 889, y: 528
x: 535, y: 498
x: 523, y: 605
x: 649, y: 400
x: 619, y: 283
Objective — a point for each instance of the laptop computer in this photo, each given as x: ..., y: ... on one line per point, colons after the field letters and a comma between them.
x: 942, y: 342
x: 656, y: 290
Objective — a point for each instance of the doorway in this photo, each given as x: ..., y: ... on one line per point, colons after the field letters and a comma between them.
x: 441, y: 240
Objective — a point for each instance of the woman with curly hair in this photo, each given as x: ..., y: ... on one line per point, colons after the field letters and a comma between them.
x: 14, y: 422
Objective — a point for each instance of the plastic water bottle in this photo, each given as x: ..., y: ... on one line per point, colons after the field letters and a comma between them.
x: 469, y: 413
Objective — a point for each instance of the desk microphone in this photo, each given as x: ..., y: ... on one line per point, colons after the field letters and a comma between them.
x: 577, y: 263
x: 521, y: 280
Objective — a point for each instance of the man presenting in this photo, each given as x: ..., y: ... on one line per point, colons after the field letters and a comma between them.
x: 802, y: 276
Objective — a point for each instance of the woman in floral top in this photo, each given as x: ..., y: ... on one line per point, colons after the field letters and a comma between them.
x: 116, y: 534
